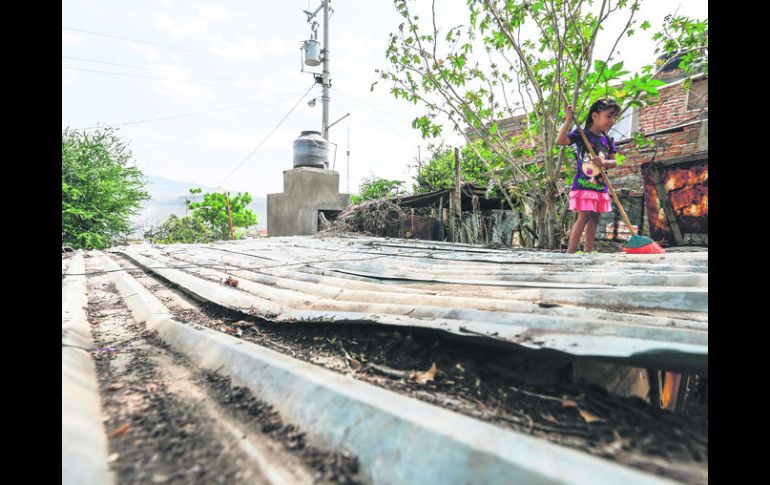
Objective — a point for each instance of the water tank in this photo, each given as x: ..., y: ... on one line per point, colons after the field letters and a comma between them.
x: 312, y: 49
x: 311, y: 150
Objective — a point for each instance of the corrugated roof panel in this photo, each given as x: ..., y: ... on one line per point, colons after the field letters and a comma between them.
x: 648, y: 308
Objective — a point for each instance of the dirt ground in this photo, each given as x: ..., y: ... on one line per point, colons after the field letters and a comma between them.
x: 526, y: 391
x: 168, y: 422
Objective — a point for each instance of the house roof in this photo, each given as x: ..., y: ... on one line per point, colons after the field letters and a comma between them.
x: 645, y: 310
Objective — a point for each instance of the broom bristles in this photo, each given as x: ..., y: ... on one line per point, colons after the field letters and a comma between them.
x: 651, y: 248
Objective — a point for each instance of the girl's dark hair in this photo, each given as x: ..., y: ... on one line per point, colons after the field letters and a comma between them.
x: 600, y: 105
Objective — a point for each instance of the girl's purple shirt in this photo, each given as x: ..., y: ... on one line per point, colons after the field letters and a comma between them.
x: 599, y: 144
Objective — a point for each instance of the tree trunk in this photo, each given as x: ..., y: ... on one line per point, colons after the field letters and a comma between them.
x: 543, y: 210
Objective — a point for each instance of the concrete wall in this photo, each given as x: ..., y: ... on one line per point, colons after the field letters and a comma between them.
x: 306, y: 190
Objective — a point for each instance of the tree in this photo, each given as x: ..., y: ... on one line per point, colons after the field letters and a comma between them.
x: 100, y: 190
x: 683, y: 41
x: 533, y: 53
x: 187, y: 229
x: 439, y: 172
x: 373, y: 188
x: 213, y: 211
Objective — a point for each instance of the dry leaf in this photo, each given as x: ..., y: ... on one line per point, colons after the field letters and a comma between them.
x: 120, y: 431
x: 356, y: 363
x: 549, y: 417
x: 115, y: 386
x: 588, y: 417
x: 112, y: 457
x: 424, y: 377
x: 616, y: 446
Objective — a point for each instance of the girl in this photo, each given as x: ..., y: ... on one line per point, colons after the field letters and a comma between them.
x: 588, y: 195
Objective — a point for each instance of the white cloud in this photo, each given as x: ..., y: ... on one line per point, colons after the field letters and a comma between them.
x: 229, y: 140
x: 150, y: 52
x: 277, y: 46
x: 242, y: 49
x: 214, y: 12
x: 178, y: 85
x: 72, y: 39
x: 68, y: 76
x: 179, y: 29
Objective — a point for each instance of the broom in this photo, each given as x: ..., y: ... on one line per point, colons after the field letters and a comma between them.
x: 637, y: 244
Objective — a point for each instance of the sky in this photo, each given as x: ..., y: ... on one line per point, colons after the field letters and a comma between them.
x: 201, y: 90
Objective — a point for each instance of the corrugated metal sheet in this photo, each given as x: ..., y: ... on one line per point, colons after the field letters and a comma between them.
x: 651, y: 309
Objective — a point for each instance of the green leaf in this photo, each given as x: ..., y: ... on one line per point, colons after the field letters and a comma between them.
x: 600, y: 66
x: 645, y: 25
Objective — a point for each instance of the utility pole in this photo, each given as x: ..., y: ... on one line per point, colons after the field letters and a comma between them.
x: 325, y: 93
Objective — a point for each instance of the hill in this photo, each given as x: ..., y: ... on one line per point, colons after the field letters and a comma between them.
x: 168, y: 197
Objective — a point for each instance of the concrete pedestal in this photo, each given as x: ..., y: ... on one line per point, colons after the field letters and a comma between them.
x: 306, y: 190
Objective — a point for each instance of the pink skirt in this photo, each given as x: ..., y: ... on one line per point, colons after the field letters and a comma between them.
x: 589, y: 200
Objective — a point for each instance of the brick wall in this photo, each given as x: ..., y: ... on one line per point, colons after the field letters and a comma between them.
x: 674, y: 144
x: 672, y: 108
x: 669, y: 112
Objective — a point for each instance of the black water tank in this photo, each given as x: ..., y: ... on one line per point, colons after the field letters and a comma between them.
x: 311, y: 150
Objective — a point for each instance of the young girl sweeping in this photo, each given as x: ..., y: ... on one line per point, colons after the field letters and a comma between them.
x: 588, y: 195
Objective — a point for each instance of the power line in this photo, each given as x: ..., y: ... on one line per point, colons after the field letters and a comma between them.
x: 367, y: 103
x: 134, y: 66
x: 278, y: 100
x: 368, y: 113
x: 143, y: 42
x: 268, y: 135
x: 176, y: 116
x: 159, y: 78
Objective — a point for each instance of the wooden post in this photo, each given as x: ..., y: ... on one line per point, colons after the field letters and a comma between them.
x: 664, y: 202
x: 451, y: 217
x: 681, y: 398
x: 653, y: 376
x: 229, y: 217
x: 458, y: 201
x: 671, y: 382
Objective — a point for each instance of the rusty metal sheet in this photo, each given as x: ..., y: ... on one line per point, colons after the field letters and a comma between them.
x: 686, y: 189
x: 648, y: 309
